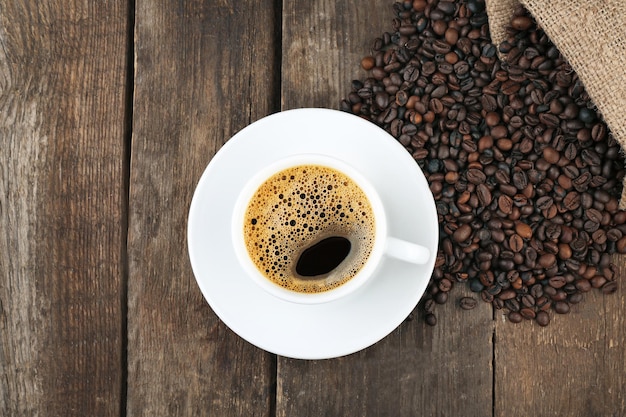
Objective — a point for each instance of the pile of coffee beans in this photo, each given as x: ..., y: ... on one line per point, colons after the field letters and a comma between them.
x: 525, y: 174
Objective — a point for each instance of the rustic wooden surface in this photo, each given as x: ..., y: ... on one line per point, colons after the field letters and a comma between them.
x: 62, y: 207
x: 109, y: 112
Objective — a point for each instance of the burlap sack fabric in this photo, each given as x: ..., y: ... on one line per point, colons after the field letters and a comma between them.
x: 592, y: 37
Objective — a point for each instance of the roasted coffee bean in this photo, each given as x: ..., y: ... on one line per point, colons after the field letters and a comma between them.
x: 431, y: 319
x: 516, y: 243
x: 444, y: 285
x: 557, y: 281
x: 523, y: 230
x: 476, y: 176
x: 571, y: 201
x: 609, y: 288
x: 468, y: 303
x: 515, y: 317
x: 441, y: 297
x: 520, y: 180
x: 429, y: 305
x: 561, y: 307
x: 542, y: 318
x: 527, y: 313
x: 484, y: 194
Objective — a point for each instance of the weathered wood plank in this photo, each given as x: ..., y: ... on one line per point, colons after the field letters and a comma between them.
x: 574, y: 367
x: 416, y: 370
x: 204, y: 70
x: 62, y: 207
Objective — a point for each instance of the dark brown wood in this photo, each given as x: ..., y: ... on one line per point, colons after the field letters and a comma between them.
x: 204, y: 70
x: 574, y: 367
x: 62, y: 207
x: 416, y: 370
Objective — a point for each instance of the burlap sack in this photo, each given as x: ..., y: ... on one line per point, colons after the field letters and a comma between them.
x: 592, y: 37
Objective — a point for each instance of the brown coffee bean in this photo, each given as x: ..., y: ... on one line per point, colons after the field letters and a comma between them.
x: 609, y: 288
x: 429, y: 305
x: 547, y: 260
x: 368, y: 62
x: 575, y: 298
x: 468, y: 303
x: 523, y: 230
x: 510, y: 87
x: 506, y: 295
x: 463, y: 233
x: 441, y: 297
x: 542, y: 318
x: 528, y: 313
x: 557, y: 281
x: 598, y: 281
x: 505, y: 204
x: 515, y: 317
x: 516, y: 243
x: 521, y: 22
x: 520, y: 180
x: 484, y: 194
x: 561, y: 307
x: 583, y: 285
x: 476, y: 176
x: 551, y: 155
x: 571, y: 201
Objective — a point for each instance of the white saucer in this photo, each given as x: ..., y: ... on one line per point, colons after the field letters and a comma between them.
x: 335, y: 328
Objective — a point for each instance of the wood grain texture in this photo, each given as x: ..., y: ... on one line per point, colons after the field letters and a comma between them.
x: 416, y: 370
x: 574, y: 367
x: 204, y: 70
x: 323, y: 43
x: 444, y: 370
x: 62, y: 207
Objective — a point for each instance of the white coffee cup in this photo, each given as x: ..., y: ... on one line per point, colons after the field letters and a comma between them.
x: 384, y: 245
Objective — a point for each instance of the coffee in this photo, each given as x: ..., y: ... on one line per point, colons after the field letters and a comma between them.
x: 309, y: 228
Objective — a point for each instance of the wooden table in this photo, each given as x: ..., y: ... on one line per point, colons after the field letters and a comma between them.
x: 109, y: 112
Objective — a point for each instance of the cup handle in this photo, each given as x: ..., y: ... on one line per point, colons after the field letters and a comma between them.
x: 406, y: 251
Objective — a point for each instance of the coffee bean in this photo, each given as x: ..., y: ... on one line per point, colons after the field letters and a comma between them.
x: 444, y: 285
x: 521, y: 22
x: 561, y: 307
x: 484, y: 194
x: 520, y: 179
x: 441, y: 297
x: 505, y: 204
x: 523, y: 230
x: 583, y: 285
x: 571, y: 201
x: 468, y: 303
x: 575, y: 298
x: 431, y: 319
x: 515, y: 317
x: 476, y: 176
x: 542, y: 318
x: 463, y: 233
x: 547, y: 260
x: 557, y: 281
x: 429, y: 305
x: 527, y: 313
x: 516, y: 243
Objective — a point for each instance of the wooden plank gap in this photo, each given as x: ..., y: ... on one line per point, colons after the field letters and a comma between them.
x: 128, y: 137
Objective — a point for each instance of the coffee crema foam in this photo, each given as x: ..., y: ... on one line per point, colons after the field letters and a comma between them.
x: 297, y: 208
